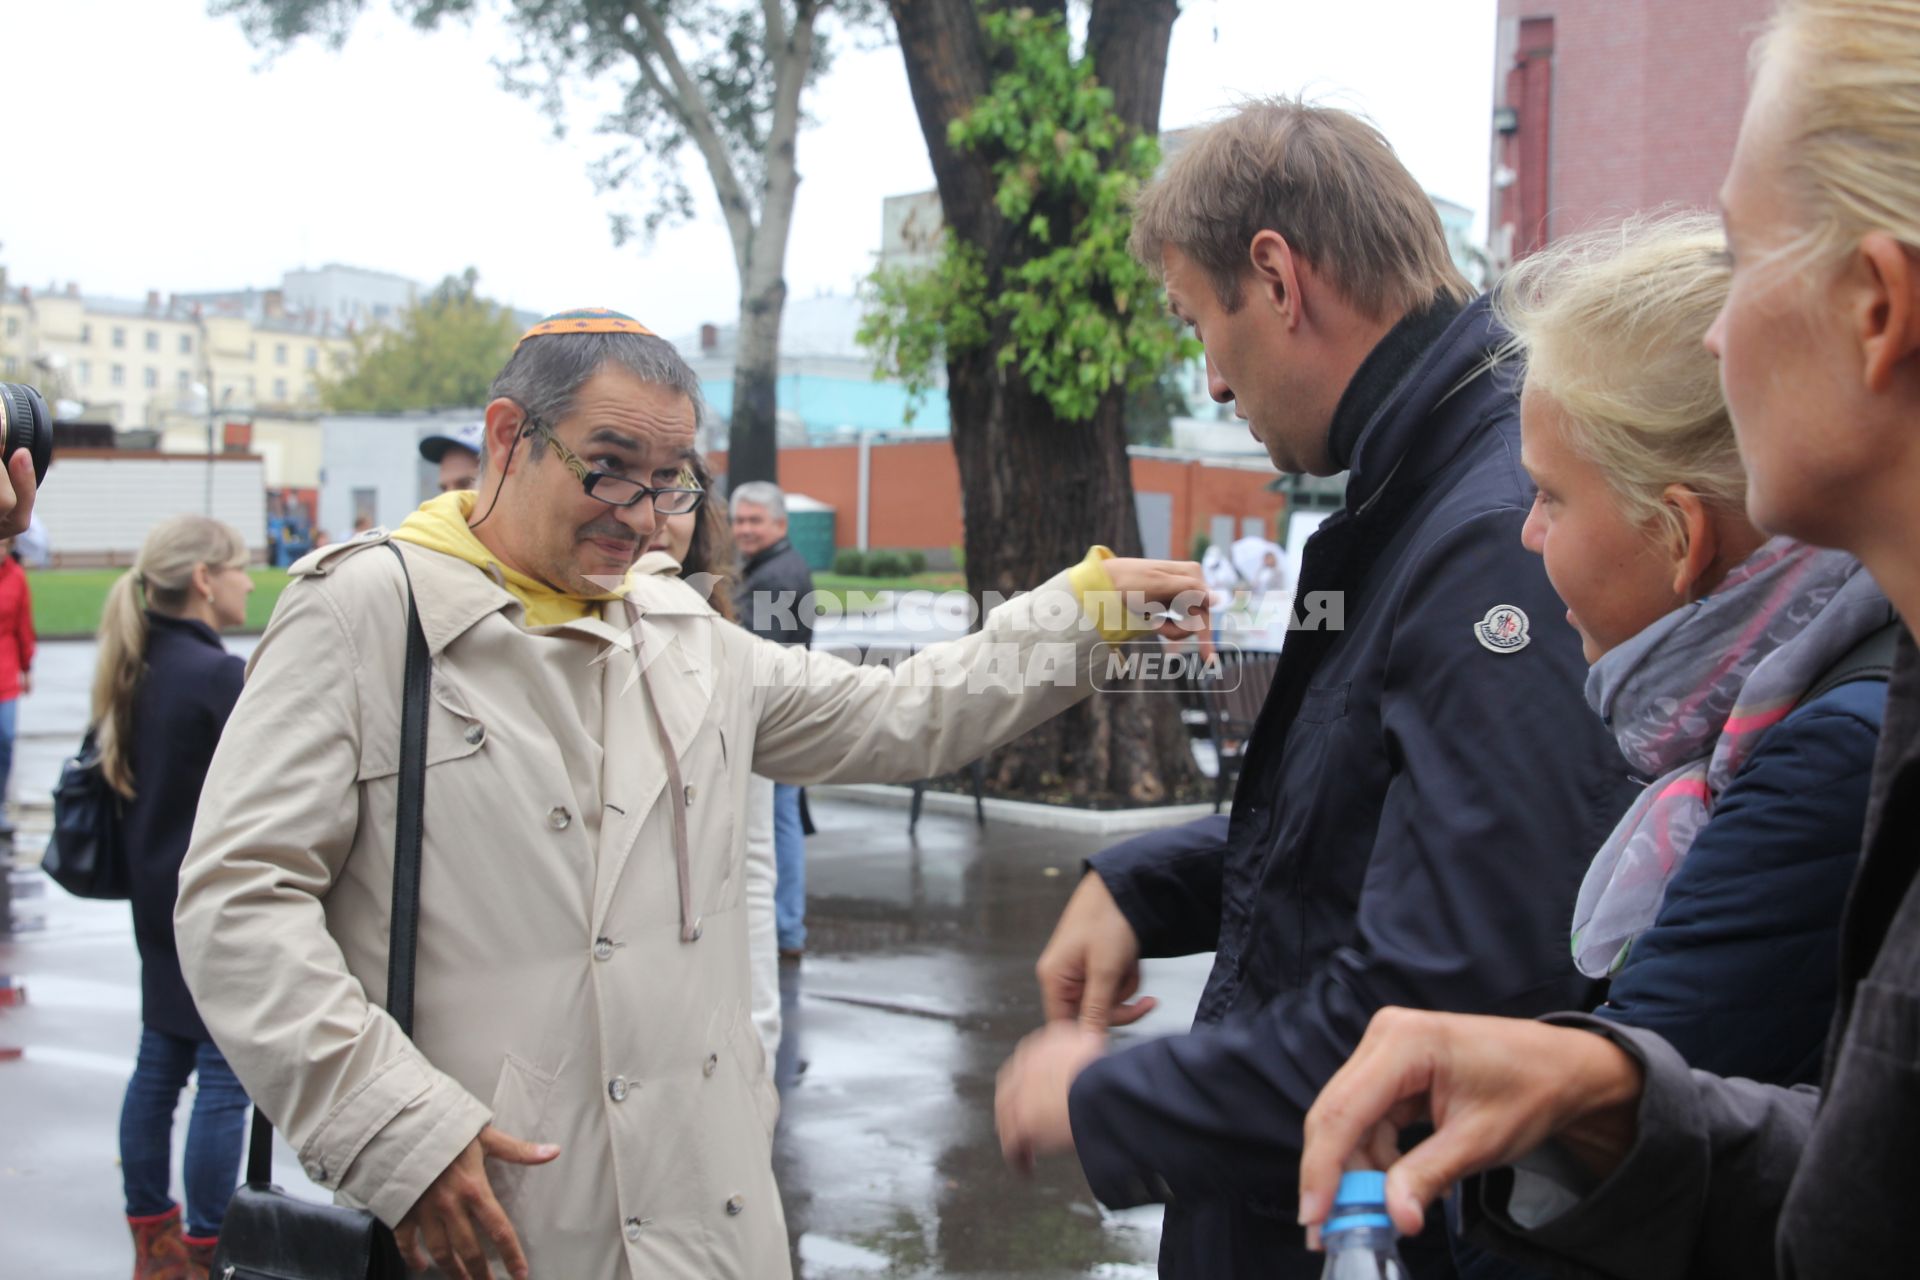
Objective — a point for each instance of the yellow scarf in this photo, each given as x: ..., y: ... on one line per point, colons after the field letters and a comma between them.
x: 440, y: 525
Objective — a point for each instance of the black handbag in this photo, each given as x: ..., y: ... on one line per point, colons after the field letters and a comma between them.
x: 85, y: 855
x: 268, y: 1234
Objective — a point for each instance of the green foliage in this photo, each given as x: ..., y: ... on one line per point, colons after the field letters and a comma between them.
x: 886, y: 564
x: 916, y: 561
x: 1199, y: 545
x: 1073, y: 312
x: 443, y: 355
x: 850, y: 562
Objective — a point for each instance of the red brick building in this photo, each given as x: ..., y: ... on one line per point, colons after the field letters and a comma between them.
x: 913, y: 495
x: 1603, y: 107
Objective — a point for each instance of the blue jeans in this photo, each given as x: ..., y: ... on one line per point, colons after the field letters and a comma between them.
x: 790, y: 869
x: 9, y: 720
x: 214, y: 1135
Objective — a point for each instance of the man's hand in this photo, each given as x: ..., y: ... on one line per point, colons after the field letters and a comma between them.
x: 1155, y: 587
x: 1030, y: 1096
x: 1493, y: 1088
x: 1091, y: 967
x: 454, y: 1215
x: 16, y: 494
x: 26, y: 683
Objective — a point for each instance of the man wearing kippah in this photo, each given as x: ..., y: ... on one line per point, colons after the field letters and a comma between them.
x: 582, y: 1093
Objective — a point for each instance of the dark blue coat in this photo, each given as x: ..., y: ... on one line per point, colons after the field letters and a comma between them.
x: 1740, y: 970
x: 1413, y: 819
x: 180, y: 708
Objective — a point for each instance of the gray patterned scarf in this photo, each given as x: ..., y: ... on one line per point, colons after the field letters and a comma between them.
x: 1689, y: 698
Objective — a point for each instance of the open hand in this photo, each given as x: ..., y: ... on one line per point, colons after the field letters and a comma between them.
x: 458, y: 1212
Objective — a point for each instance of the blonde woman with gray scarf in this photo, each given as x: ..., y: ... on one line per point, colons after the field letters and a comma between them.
x: 1735, y: 670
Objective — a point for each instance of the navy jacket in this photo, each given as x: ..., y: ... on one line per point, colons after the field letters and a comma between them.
x: 773, y: 583
x: 179, y: 711
x: 1421, y: 796
x: 1740, y: 970
x: 1729, y: 1178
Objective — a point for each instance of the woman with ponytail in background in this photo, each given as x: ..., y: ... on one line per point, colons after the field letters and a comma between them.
x: 161, y: 695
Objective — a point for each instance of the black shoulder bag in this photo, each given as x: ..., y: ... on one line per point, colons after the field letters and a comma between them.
x: 268, y: 1234
x: 85, y: 855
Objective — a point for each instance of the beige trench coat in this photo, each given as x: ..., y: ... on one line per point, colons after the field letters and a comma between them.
x: 555, y: 997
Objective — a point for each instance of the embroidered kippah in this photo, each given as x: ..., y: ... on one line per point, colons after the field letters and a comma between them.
x: 586, y: 320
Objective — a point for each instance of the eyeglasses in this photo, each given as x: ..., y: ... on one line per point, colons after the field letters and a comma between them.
x: 617, y: 490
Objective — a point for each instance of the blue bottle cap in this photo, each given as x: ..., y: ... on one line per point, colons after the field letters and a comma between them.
x: 1362, y: 1187
x: 1360, y: 1204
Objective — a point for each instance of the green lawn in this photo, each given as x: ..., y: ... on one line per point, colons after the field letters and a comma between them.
x: 838, y: 587
x: 67, y: 602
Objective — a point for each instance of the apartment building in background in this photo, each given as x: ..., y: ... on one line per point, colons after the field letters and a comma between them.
x: 167, y: 371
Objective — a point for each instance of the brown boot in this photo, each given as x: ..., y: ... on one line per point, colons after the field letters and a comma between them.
x: 200, y: 1255
x: 158, y: 1251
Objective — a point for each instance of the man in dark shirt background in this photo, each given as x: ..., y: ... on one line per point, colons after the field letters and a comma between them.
x: 774, y: 581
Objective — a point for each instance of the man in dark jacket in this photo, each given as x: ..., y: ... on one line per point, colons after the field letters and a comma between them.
x: 772, y: 601
x: 1425, y: 784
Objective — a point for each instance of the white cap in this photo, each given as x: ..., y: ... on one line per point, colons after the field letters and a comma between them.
x: 471, y: 437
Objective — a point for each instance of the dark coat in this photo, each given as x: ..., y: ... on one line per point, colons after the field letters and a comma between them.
x: 1421, y: 797
x: 1740, y: 971
x: 179, y: 710
x: 1732, y: 1178
x: 773, y: 582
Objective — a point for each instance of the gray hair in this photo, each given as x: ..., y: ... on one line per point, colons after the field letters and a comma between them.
x: 544, y: 374
x: 759, y: 493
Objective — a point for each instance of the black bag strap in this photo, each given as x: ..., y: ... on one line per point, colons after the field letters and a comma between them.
x: 1869, y: 659
x: 408, y: 832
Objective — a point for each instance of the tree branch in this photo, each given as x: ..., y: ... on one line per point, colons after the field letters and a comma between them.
x: 691, y: 105
x: 776, y: 24
x: 792, y: 59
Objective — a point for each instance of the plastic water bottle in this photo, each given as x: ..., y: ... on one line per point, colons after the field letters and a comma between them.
x: 1359, y: 1235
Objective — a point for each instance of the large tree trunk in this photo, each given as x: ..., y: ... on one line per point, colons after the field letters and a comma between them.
x: 1036, y: 490
x: 752, y: 445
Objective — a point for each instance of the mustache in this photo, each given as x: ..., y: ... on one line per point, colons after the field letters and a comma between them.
x: 612, y: 530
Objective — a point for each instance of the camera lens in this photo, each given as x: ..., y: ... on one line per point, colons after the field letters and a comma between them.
x: 28, y: 426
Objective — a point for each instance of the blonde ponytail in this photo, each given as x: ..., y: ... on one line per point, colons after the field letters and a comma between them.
x: 161, y: 580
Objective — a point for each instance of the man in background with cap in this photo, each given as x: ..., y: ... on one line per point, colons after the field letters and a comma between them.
x: 457, y: 453
x: 583, y: 1093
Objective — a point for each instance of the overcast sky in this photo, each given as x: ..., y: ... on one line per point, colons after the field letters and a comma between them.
x: 151, y: 147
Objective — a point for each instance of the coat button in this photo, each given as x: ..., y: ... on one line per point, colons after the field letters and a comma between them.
x: 617, y: 1088
x: 476, y: 734
x: 558, y: 818
x: 735, y: 1204
x: 603, y: 948
x: 316, y: 1171
x: 634, y: 1226
x: 707, y: 1067
x: 689, y: 793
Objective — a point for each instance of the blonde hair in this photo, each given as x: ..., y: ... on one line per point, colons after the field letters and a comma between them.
x: 1610, y: 327
x: 1851, y: 140
x: 1327, y: 181
x: 162, y: 580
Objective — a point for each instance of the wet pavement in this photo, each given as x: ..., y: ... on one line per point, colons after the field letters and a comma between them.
x: 917, y: 984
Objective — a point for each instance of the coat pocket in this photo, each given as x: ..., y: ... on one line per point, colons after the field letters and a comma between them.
x: 519, y: 1106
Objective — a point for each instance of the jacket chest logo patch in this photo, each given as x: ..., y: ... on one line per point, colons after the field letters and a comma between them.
x: 1503, y: 630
